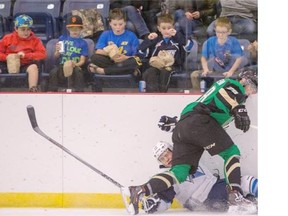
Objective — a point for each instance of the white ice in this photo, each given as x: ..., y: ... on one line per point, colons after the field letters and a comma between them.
x: 96, y: 212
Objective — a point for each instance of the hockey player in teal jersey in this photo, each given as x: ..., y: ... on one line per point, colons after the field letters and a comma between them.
x: 201, y: 128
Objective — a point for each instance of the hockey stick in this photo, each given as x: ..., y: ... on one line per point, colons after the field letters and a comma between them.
x: 124, y: 190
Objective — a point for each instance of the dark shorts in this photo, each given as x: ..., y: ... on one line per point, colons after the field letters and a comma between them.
x: 195, y: 133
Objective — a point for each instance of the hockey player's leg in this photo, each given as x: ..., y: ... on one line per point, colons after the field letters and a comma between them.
x: 237, y: 203
x: 158, y: 183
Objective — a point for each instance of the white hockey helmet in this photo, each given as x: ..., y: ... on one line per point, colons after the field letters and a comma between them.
x: 249, y: 185
x: 160, y: 147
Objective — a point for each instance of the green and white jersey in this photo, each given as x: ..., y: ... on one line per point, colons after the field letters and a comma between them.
x: 221, y: 98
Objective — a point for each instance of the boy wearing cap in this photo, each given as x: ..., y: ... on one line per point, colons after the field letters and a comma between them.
x: 71, y: 59
x: 24, y: 45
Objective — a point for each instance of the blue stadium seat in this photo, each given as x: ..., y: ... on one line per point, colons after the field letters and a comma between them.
x: 182, y: 79
x: 5, y: 16
x: 114, y: 81
x: 45, y: 14
x: 51, y: 62
x: 42, y: 25
x: 2, y: 31
x: 18, y: 80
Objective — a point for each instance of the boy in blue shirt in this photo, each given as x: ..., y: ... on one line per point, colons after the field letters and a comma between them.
x: 116, y: 49
x: 221, y: 54
x: 72, y: 58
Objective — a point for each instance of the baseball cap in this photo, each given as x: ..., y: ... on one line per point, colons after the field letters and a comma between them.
x: 23, y: 21
x: 74, y: 20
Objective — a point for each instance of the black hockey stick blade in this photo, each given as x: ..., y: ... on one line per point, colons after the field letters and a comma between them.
x: 33, y: 120
x: 32, y: 116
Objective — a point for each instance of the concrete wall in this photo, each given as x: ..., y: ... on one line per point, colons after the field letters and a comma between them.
x: 113, y: 132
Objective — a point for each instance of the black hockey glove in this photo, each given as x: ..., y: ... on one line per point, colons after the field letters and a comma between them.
x: 150, y: 204
x: 167, y: 123
x: 241, y: 118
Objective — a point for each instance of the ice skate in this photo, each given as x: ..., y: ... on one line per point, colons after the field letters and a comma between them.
x: 136, y: 193
x: 238, y: 204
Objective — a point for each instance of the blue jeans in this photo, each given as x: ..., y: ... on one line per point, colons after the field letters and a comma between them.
x: 188, y: 27
x: 135, y: 21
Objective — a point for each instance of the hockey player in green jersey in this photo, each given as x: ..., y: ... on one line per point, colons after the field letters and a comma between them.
x: 201, y: 128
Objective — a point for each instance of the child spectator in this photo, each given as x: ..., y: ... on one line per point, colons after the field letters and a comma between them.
x: 243, y: 16
x: 221, y: 54
x: 72, y: 58
x: 116, y: 49
x: 166, y: 54
x: 24, y: 45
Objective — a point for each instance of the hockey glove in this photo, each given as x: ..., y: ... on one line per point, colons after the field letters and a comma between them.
x: 167, y: 123
x: 242, y: 120
x: 150, y: 203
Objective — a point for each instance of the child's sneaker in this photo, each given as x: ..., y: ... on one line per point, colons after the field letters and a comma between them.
x: 33, y: 89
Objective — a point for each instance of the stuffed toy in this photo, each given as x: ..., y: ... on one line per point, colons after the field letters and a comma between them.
x: 163, y: 60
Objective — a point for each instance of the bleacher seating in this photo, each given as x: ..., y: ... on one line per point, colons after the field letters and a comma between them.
x: 49, y: 22
x: 17, y: 80
x: 2, y: 31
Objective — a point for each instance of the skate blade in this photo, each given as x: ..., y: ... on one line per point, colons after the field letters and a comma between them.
x: 125, y: 192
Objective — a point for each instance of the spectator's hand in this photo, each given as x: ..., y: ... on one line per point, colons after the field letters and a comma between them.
x: 167, y: 123
x: 120, y: 58
x: 152, y: 36
x: 172, y: 32
x: 150, y: 203
x: 57, y: 47
x: 242, y: 120
x: 21, y: 54
x: 253, y: 47
x: 204, y: 73
x: 196, y: 15
x: 228, y: 74
x: 189, y: 15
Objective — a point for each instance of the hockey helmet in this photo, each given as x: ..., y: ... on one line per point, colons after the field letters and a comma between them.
x: 23, y: 21
x: 161, y: 147
x: 249, y: 185
x: 251, y: 78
